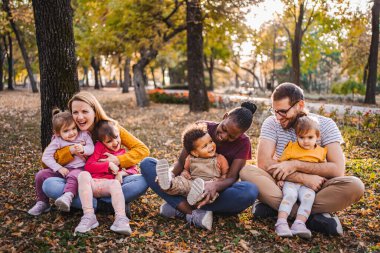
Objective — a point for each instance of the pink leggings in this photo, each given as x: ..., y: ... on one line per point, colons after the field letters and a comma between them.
x: 100, y: 187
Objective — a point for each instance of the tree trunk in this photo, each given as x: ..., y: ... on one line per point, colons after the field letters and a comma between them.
x: 57, y: 60
x: 163, y: 76
x: 100, y: 78
x: 127, y: 75
x: 154, y: 79
x: 9, y: 47
x: 370, y: 95
x: 138, y: 76
x: 296, y: 48
x: 365, y: 73
x: 21, y: 45
x: 2, y: 59
x: 210, y: 69
x: 95, y: 66
x: 237, y: 85
x: 86, y: 82
x: 198, y: 100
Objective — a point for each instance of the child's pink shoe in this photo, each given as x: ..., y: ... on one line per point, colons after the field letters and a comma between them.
x: 121, y: 225
x: 282, y: 228
x: 39, y: 208
x: 87, y: 222
x: 299, y: 228
x: 63, y: 203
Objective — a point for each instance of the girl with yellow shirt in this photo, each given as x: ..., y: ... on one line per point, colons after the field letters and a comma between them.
x: 305, y: 149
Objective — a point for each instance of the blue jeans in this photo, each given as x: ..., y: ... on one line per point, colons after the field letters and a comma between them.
x: 133, y: 187
x: 232, y: 200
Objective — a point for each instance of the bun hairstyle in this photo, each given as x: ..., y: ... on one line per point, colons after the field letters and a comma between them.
x: 61, y: 119
x: 243, y: 115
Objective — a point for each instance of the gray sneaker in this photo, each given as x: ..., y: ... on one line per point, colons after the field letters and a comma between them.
x: 200, y: 218
x: 168, y: 211
x: 39, y: 208
x: 196, y: 191
x: 87, y: 222
x: 164, y: 175
x: 63, y: 203
x: 121, y: 225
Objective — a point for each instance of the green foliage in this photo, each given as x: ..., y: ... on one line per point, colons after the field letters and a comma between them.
x: 168, y: 98
x: 348, y: 87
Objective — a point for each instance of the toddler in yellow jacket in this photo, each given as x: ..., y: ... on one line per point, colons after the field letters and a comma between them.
x: 304, y: 149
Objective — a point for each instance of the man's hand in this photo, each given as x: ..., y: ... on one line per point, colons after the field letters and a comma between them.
x: 186, y: 174
x: 110, y: 158
x: 113, y: 168
x: 314, y: 182
x: 209, y: 194
x: 282, y: 170
x: 63, y: 171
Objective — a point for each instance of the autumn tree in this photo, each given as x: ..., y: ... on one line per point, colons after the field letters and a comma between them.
x: 370, y: 95
x: 56, y: 53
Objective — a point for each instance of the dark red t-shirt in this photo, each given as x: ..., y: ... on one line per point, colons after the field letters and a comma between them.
x: 238, y: 149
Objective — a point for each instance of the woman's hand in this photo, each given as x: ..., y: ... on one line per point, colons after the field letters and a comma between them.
x: 209, y: 194
x: 113, y: 168
x: 119, y: 177
x: 110, y: 158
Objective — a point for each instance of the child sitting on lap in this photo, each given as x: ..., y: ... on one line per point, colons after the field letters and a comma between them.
x: 202, y: 164
x: 65, y: 134
x: 305, y: 149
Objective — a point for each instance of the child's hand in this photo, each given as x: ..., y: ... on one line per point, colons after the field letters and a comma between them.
x: 280, y: 183
x: 119, y: 177
x: 76, y: 149
x: 186, y: 174
x: 113, y: 168
x: 63, y: 171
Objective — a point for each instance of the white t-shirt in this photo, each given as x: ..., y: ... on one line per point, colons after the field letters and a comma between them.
x: 272, y: 130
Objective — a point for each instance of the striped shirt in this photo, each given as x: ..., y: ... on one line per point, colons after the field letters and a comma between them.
x: 272, y: 130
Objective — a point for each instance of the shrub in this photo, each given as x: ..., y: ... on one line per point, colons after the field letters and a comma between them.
x: 348, y: 87
x: 168, y: 98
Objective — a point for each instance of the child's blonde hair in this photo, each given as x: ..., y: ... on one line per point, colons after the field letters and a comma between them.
x: 61, y: 119
x: 305, y: 124
x: 91, y: 100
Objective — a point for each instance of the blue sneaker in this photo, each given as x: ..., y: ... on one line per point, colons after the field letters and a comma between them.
x: 168, y: 211
x: 325, y: 223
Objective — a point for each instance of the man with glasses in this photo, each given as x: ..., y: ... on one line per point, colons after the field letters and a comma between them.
x: 334, y: 191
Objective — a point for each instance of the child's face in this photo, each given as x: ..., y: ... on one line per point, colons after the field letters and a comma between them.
x: 308, y: 139
x: 204, y: 147
x: 113, y: 143
x: 69, y: 132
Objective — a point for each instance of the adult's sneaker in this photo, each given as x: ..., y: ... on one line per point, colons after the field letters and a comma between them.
x: 325, y: 223
x: 262, y: 211
x: 168, y: 211
x: 87, y: 222
x: 200, y: 218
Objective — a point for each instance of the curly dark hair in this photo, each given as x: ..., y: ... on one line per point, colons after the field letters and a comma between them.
x: 192, y: 133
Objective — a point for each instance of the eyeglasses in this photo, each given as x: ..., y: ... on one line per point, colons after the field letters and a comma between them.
x: 281, y: 112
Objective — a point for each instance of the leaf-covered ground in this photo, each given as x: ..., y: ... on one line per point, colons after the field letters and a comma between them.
x: 159, y: 126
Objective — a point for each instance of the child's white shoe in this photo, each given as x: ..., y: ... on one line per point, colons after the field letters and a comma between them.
x: 121, y: 225
x: 39, y: 208
x: 63, y: 203
x: 87, y: 222
x: 299, y: 228
x: 282, y: 228
x: 196, y: 191
x: 164, y: 175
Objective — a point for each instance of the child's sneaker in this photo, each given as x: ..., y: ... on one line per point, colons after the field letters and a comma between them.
x: 164, y: 175
x: 39, y: 208
x: 63, y: 203
x: 87, y: 222
x: 121, y: 225
x: 168, y: 211
x: 299, y: 228
x: 282, y: 228
x: 200, y: 218
x: 196, y: 191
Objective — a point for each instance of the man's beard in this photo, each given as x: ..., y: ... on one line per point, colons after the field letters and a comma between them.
x: 291, y: 123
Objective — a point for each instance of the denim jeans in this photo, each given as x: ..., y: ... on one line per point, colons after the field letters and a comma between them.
x: 133, y: 187
x: 232, y: 200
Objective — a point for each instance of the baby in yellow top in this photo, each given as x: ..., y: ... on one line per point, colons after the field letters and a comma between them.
x: 305, y: 149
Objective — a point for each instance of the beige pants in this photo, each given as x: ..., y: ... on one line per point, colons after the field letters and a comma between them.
x: 335, y: 194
